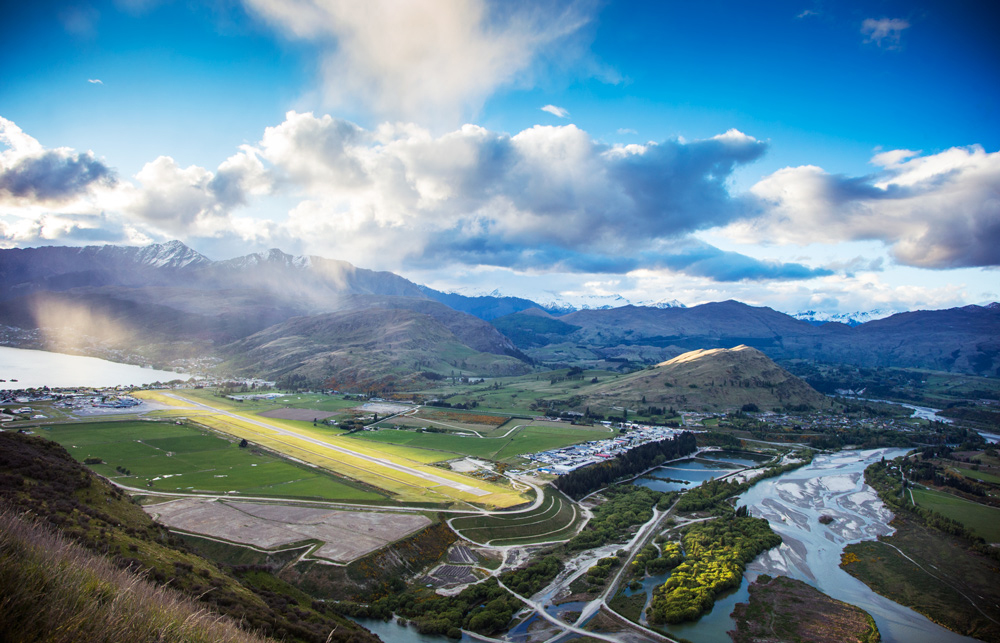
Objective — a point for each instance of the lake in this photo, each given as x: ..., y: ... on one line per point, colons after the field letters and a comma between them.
x: 34, y: 369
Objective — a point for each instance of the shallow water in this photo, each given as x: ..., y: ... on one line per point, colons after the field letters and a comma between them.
x: 391, y: 632
x: 833, y: 485
x: 691, y: 472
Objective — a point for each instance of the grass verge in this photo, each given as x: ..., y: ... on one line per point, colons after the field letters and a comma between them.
x: 938, y: 577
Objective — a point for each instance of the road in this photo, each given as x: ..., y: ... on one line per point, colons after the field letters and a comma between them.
x: 566, y: 627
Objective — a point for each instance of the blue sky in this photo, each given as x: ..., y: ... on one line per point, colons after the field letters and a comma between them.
x: 830, y: 155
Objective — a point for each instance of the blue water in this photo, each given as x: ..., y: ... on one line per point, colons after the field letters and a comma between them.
x: 691, y: 472
x: 35, y: 369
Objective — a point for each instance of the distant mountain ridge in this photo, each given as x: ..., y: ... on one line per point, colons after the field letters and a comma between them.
x: 557, y: 304
x: 165, y: 302
x: 851, y: 319
x: 963, y: 339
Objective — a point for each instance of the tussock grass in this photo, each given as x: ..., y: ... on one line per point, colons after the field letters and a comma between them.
x: 53, y: 590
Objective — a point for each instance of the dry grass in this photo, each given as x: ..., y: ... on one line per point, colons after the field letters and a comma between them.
x: 53, y: 590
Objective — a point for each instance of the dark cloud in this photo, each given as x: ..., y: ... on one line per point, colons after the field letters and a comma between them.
x: 719, y: 265
x: 677, y: 186
x: 54, y: 175
x: 695, y: 259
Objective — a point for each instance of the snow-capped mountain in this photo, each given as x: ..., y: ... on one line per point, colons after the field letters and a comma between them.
x: 661, y: 303
x: 851, y: 319
x: 560, y: 304
x: 172, y: 254
x: 273, y: 257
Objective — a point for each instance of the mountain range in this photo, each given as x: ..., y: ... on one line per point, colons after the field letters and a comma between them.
x: 278, y: 315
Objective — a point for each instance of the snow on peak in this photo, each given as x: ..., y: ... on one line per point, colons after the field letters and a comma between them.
x: 566, y: 303
x: 662, y: 303
x: 172, y: 254
x: 274, y: 256
x: 851, y: 319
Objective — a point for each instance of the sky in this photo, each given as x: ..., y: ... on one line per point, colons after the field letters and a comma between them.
x: 804, y: 155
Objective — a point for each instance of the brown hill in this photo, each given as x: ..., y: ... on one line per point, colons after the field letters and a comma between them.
x: 710, y: 380
x: 370, y: 348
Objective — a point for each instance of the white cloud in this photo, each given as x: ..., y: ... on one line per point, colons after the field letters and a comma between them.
x: 558, y: 112
x: 95, y: 81
x: 935, y: 211
x: 545, y: 196
x: 885, y: 32
x: 433, y: 61
x: 626, y: 130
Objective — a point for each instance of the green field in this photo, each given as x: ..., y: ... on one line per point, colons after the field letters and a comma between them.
x: 948, y: 583
x: 977, y: 475
x: 982, y: 519
x: 515, y: 395
x: 528, y: 439
x: 164, y: 456
x: 555, y: 519
x: 316, y: 401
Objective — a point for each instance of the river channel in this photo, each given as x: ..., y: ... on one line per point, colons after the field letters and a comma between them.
x: 792, y: 503
x: 831, y: 485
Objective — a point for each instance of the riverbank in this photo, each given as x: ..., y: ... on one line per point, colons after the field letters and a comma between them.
x: 789, y: 610
x: 933, y: 573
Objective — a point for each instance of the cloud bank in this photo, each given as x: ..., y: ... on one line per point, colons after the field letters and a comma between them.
x: 932, y: 211
x: 546, y: 199
x: 430, y: 61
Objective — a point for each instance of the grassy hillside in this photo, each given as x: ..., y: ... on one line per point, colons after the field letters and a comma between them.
x: 712, y: 380
x: 39, y: 478
x: 55, y: 590
x: 363, y: 349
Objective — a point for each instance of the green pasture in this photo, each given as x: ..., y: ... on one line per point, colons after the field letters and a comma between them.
x: 978, y: 475
x: 451, y: 444
x: 170, y: 457
x: 528, y: 439
x: 982, y: 519
x: 317, y: 402
x: 417, y: 422
x: 515, y: 395
x: 314, y: 401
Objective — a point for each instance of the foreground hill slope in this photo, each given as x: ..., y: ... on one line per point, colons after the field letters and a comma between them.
x: 55, y: 590
x: 39, y: 478
x: 712, y: 380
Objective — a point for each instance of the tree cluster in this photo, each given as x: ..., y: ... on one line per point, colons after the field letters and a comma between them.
x: 626, y: 505
x: 485, y: 607
x: 717, y: 554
